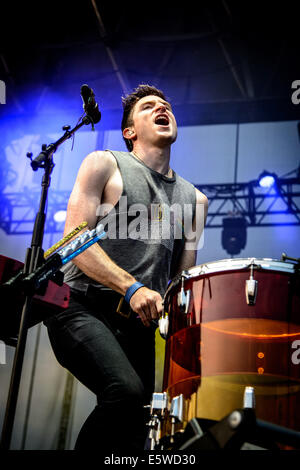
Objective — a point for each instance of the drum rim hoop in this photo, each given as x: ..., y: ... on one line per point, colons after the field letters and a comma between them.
x: 231, y: 264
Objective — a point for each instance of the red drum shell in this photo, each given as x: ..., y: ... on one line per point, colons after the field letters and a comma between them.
x: 222, y: 344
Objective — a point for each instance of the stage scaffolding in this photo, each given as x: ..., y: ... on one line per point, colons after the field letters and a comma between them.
x: 277, y: 206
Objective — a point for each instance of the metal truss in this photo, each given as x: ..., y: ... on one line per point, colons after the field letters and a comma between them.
x: 18, y: 211
x: 279, y: 205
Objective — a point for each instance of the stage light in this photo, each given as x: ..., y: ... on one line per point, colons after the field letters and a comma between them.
x: 234, y: 234
x: 60, y: 216
x: 266, y: 179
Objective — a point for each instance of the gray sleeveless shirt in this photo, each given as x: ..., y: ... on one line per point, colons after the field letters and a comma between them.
x: 145, y: 230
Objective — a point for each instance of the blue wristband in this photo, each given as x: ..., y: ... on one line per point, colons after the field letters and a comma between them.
x: 131, y: 290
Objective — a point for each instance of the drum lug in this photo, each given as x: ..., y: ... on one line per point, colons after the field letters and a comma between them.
x: 163, y: 324
x: 249, y: 398
x: 251, y: 288
x: 184, y: 297
x: 176, y: 413
x: 251, y: 291
x: 176, y: 409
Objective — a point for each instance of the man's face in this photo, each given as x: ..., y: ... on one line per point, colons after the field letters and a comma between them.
x: 154, y: 122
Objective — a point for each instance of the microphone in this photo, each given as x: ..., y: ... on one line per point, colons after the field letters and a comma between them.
x: 89, y: 104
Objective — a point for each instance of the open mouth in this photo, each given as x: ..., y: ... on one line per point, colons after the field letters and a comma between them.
x: 161, y: 120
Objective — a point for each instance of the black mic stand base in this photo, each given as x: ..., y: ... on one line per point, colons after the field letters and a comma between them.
x: 240, y: 428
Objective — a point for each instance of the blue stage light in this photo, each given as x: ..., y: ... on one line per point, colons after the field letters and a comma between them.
x: 60, y: 216
x: 266, y: 179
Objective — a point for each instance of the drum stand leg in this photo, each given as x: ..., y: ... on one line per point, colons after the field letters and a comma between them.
x: 158, y: 409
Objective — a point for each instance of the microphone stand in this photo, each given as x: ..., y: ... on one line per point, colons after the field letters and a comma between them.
x: 34, y: 257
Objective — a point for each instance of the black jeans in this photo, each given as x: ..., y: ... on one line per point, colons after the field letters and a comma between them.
x: 112, y: 356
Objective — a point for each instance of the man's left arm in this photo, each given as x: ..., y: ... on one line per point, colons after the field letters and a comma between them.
x: 189, y: 254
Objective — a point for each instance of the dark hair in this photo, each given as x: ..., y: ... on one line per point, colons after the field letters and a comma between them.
x: 129, y: 102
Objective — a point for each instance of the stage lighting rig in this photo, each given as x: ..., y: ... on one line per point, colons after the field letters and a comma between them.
x: 234, y: 234
x: 267, y: 179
